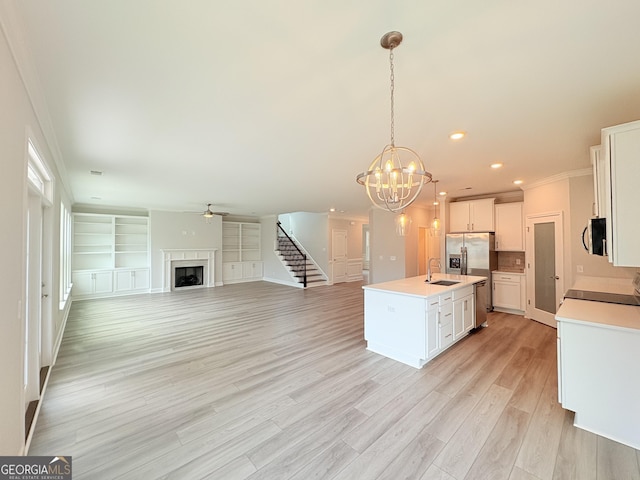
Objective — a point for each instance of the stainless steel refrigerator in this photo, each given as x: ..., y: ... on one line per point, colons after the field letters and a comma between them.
x: 473, y: 254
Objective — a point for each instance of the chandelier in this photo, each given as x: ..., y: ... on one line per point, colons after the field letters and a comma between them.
x: 396, y: 176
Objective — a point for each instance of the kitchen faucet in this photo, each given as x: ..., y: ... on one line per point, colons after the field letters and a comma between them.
x: 429, y: 267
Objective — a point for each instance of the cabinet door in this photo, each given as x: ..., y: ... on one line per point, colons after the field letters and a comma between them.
x: 103, y: 282
x: 433, y: 332
x: 251, y: 270
x: 141, y: 279
x: 123, y: 280
x: 482, y: 215
x: 463, y: 316
x: 231, y: 271
x: 82, y: 283
x: 459, y: 217
x: 506, y: 294
x: 509, y: 227
x: 625, y: 172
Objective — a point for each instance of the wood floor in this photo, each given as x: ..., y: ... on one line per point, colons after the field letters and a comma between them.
x: 262, y: 381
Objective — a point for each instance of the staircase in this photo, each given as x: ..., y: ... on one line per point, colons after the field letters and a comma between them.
x: 301, y: 267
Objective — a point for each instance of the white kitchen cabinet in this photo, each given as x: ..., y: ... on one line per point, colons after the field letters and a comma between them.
x: 509, y: 227
x: 621, y: 158
x: 131, y: 280
x: 509, y: 292
x: 598, y: 346
x: 433, y: 327
x: 446, y: 325
x: 92, y: 283
x: 472, y: 216
x: 463, y: 312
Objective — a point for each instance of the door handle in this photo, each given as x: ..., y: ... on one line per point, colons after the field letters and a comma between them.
x: 556, y: 277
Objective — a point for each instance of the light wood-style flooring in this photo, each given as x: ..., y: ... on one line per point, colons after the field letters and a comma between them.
x: 263, y: 381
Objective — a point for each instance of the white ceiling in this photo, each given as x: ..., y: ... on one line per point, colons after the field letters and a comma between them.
x: 264, y: 107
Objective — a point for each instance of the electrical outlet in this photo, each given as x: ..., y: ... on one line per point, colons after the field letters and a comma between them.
x: 517, y: 261
x: 579, y: 269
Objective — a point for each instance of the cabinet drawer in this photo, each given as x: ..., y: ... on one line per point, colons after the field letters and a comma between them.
x: 462, y: 292
x: 446, y: 314
x: 501, y: 277
x: 446, y: 298
x: 433, y: 303
x: 446, y: 335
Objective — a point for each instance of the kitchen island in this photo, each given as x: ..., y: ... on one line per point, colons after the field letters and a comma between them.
x: 412, y: 321
x: 598, y: 362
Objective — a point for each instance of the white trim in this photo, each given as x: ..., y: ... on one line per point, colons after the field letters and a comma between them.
x: 172, y: 255
x: 283, y: 282
x: 556, y: 178
x: 354, y: 269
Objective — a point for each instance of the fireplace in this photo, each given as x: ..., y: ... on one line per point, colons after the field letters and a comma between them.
x: 188, y: 276
x: 187, y: 269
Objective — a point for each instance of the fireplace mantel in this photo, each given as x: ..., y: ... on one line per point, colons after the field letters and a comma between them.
x: 172, y: 257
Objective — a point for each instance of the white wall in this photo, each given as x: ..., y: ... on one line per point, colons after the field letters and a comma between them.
x: 312, y: 231
x: 17, y: 122
x: 387, y: 247
x: 274, y: 270
x: 182, y: 231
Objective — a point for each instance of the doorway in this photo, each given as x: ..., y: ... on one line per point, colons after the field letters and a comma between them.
x: 545, y: 279
x: 339, y: 256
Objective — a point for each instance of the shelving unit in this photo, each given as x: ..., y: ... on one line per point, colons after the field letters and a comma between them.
x: 241, y: 257
x: 108, y: 249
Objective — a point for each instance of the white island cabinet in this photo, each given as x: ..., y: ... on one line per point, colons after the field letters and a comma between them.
x: 411, y: 321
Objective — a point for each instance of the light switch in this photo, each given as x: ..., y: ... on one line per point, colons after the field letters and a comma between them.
x: 392, y: 258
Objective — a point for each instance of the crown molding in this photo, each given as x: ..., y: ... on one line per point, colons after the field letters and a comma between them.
x: 559, y: 177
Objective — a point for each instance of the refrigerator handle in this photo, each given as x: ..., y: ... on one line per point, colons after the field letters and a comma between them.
x: 463, y: 263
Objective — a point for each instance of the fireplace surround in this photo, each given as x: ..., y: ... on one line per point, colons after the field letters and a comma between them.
x: 198, y: 265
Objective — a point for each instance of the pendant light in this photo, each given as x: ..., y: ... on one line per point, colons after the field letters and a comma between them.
x: 403, y: 222
x: 435, y: 224
x: 396, y: 176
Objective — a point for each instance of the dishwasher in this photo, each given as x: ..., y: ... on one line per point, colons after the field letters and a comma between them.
x: 480, y: 289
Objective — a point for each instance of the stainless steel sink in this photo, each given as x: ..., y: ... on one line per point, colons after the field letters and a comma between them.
x: 444, y: 283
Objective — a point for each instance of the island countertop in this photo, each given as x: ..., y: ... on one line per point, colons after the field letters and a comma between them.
x: 417, y: 287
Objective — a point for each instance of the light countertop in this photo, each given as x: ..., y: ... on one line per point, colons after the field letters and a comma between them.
x: 603, y: 314
x: 416, y: 286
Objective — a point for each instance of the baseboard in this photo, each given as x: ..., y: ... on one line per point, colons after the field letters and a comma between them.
x: 283, y: 282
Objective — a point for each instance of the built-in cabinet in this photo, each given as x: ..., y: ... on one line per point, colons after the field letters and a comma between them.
x: 509, y: 221
x: 241, y: 257
x: 509, y: 292
x: 620, y: 152
x: 472, y: 216
x: 110, y: 254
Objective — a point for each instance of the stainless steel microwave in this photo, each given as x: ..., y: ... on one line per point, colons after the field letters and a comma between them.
x: 596, y: 233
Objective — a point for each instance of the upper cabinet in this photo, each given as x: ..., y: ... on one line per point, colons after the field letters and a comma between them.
x: 509, y: 227
x: 621, y: 159
x: 472, y: 216
x: 599, y: 182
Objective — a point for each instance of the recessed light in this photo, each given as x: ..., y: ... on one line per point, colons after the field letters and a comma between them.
x: 457, y: 135
x: 518, y: 182
x: 442, y: 194
x: 496, y: 165
x: 332, y: 209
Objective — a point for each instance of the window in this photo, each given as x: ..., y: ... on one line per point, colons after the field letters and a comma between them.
x: 65, y: 255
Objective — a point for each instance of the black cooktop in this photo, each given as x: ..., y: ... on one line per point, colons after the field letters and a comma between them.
x: 603, y: 297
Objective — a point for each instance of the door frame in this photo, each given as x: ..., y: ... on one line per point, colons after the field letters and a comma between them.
x: 558, y: 220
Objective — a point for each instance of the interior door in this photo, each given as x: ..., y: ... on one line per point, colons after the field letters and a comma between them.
x: 545, y: 282
x: 339, y: 255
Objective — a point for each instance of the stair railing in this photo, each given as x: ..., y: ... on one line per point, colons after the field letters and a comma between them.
x: 282, y: 233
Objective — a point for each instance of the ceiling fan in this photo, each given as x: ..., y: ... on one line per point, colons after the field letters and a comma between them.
x: 208, y: 213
